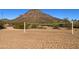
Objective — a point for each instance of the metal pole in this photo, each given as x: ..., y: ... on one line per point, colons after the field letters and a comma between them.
x: 24, y: 27
x: 72, y: 28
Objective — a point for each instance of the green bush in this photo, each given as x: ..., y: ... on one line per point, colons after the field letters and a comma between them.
x: 20, y: 26
x: 34, y: 25
x: 55, y: 24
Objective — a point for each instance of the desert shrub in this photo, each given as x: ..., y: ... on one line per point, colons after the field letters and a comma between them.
x: 41, y: 27
x: 55, y: 25
x: 76, y: 23
x: 20, y: 25
x: 1, y: 25
x: 67, y: 23
x: 34, y: 25
x: 27, y: 26
x: 61, y: 25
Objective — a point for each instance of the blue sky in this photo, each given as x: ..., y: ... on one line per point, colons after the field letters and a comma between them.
x: 60, y: 13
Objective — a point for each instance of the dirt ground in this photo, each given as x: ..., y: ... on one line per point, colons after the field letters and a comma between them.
x: 39, y: 38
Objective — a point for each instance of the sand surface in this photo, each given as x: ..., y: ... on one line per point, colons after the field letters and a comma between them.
x: 38, y: 38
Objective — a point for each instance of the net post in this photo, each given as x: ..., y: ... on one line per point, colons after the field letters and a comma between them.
x: 24, y: 27
x: 72, y: 27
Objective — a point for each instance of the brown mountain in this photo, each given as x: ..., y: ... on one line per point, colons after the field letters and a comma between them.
x: 36, y: 16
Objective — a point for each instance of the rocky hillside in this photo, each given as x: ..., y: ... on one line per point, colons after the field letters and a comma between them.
x: 36, y: 16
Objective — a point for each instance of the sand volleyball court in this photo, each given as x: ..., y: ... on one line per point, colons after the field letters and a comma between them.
x: 38, y: 38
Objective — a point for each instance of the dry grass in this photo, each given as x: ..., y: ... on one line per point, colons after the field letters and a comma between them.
x: 39, y: 38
